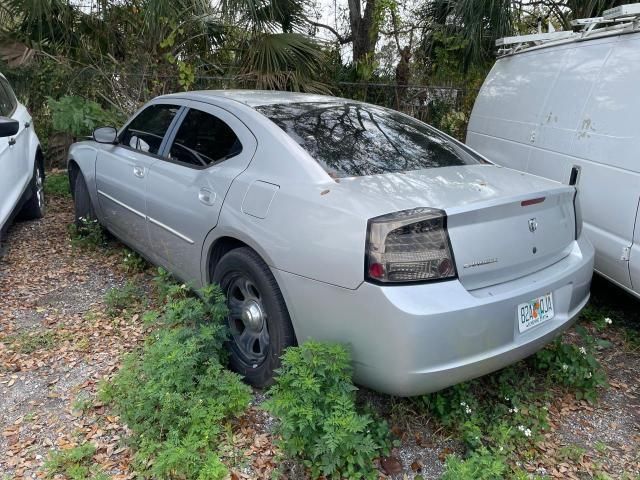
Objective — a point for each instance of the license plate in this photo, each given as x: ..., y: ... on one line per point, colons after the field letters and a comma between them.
x: 534, y: 312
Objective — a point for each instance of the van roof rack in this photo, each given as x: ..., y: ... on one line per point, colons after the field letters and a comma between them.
x: 621, y: 19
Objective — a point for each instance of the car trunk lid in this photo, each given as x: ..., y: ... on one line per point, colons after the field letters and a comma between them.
x: 500, y: 240
x: 502, y: 224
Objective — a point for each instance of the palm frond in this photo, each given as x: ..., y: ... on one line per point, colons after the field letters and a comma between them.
x: 284, y: 61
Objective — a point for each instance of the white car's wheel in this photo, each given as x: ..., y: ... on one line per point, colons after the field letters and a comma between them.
x: 34, y: 207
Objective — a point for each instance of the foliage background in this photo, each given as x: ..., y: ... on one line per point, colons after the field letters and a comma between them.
x: 426, y: 58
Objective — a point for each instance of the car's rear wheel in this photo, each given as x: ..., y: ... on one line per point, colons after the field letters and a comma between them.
x: 34, y: 207
x: 258, y: 318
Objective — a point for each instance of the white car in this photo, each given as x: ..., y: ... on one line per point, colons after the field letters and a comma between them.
x: 21, y: 161
x: 337, y: 220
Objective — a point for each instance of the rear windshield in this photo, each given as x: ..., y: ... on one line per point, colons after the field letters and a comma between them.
x: 354, y: 139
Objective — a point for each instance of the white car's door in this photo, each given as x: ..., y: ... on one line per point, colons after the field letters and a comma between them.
x: 15, y: 166
x: 122, y: 169
x: 187, y: 186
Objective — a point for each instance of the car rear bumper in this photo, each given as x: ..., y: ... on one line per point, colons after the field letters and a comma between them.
x: 415, y: 339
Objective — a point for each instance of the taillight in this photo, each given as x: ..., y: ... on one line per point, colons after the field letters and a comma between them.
x: 409, y: 246
x: 578, y: 214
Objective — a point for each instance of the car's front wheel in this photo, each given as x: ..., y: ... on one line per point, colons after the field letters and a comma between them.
x: 34, y: 206
x: 82, y: 202
x: 258, y: 318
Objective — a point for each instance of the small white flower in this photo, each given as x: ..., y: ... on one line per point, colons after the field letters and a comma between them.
x: 467, y: 410
x: 588, y: 375
x: 463, y: 404
x: 527, y: 433
x: 565, y: 367
x: 521, y: 428
x: 183, y: 286
x: 506, y: 398
x: 513, y: 410
x: 608, y: 321
x: 583, y: 350
x: 501, y: 448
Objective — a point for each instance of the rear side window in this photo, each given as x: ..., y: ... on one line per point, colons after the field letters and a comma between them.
x: 8, y: 102
x: 204, y: 139
x: 146, y: 131
x: 353, y: 139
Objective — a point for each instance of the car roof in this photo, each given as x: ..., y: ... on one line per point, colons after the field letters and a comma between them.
x: 258, y: 98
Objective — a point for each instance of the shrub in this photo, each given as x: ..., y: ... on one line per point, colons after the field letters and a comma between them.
x: 176, y: 396
x: 79, y: 116
x: 314, y: 397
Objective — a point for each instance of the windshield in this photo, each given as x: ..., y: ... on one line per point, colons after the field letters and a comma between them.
x: 356, y: 139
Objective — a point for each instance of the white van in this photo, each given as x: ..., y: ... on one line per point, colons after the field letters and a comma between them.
x: 564, y: 99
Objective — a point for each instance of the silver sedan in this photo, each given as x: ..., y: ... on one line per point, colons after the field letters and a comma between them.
x: 337, y: 220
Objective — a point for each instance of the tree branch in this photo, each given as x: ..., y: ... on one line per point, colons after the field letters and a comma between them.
x: 342, y: 40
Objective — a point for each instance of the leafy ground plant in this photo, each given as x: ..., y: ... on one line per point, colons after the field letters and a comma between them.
x: 57, y: 185
x: 87, y: 234
x: 119, y: 299
x: 74, y: 463
x: 319, y: 424
x: 176, y: 396
x: 573, y: 366
x: 132, y: 262
x: 506, y: 412
x: 29, y: 342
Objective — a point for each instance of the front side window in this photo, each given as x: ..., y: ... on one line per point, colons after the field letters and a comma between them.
x: 354, y: 139
x: 146, y: 131
x: 203, y: 140
x: 8, y: 100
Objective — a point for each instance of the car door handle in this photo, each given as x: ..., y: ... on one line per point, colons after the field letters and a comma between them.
x: 206, y: 196
x: 138, y: 171
x: 27, y: 124
x: 12, y: 141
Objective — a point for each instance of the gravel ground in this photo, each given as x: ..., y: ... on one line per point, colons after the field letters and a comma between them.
x: 57, y: 344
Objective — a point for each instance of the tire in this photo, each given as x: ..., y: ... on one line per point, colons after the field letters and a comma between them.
x: 259, y: 320
x: 34, y: 207
x: 82, y: 202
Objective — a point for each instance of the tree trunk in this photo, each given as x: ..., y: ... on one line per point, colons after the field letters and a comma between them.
x: 363, y: 28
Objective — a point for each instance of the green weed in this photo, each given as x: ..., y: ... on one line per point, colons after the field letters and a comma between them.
x: 574, y: 366
x: 133, y: 262
x: 572, y: 452
x: 314, y: 398
x: 88, y: 234
x: 29, y: 342
x: 75, y: 463
x: 119, y: 299
x: 57, y: 185
x: 175, y: 394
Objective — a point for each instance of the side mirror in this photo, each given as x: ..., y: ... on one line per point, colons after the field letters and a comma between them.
x: 105, y: 135
x: 8, y: 127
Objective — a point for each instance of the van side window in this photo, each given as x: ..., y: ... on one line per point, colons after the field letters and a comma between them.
x: 146, y: 131
x: 203, y: 139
